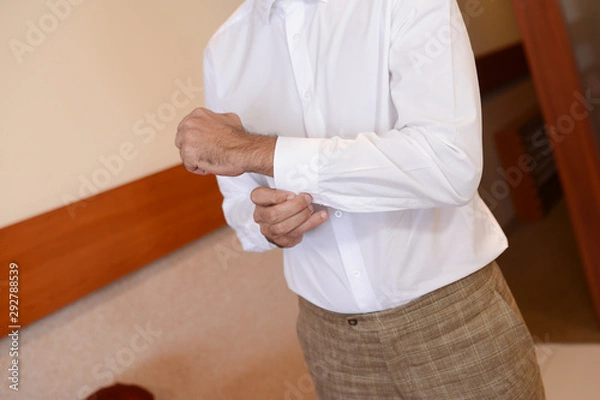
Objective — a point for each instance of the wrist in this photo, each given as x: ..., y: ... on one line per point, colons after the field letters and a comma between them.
x: 259, y: 154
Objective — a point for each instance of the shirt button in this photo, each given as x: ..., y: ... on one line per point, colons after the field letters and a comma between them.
x: 353, y: 322
x: 296, y: 36
x: 357, y: 273
x: 307, y: 94
x: 339, y: 214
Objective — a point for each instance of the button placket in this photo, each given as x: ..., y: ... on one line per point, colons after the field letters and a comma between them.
x: 303, y: 71
x: 353, y: 262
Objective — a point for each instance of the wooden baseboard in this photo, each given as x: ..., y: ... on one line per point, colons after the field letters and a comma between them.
x: 72, y: 251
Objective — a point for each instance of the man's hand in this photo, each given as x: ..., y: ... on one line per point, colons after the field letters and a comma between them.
x: 284, y: 217
x: 211, y: 143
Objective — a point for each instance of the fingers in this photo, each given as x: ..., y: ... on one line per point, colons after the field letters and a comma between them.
x: 284, y: 217
x: 287, y: 225
x: 275, y: 214
x: 191, y: 122
x: 297, y: 225
x: 262, y: 196
x: 199, y: 171
x: 294, y: 237
x: 234, y: 119
x: 201, y: 117
x: 187, y: 160
x: 178, y: 139
x: 315, y: 220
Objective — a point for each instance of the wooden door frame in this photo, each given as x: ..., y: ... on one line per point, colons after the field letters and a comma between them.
x: 563, y: 103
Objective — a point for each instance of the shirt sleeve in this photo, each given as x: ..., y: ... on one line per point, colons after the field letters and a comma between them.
x: 433, y: 156
x: 239, y: 211
x: 237, y: 206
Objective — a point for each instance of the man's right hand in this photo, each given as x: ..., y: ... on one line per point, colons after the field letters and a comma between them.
x: 283, y: 216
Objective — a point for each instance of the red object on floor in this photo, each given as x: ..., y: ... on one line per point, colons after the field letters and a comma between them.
x: 122, y: 392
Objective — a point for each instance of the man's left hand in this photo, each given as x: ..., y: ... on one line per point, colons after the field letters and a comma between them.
x: 211, y: 143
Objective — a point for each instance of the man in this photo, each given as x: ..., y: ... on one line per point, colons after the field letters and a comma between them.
x: 348, y: 132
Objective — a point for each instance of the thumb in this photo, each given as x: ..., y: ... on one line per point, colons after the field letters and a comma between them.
x: 262, y: 196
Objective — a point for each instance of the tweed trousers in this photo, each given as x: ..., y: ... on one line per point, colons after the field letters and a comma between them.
x: 464, y: 341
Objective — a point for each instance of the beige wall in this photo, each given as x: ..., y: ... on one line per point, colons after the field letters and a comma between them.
x: 491, y: 23
x: 82, y: 93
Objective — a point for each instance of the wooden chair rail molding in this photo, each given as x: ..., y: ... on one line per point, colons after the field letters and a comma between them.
x: 69, y: 252
x: 559, y: 89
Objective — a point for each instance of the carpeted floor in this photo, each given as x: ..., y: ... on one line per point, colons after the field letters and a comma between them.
x: 544, y: 271
x: 211, y: 322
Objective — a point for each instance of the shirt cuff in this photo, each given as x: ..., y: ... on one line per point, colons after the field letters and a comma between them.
x: 253, y: 240
x: 296, y: 164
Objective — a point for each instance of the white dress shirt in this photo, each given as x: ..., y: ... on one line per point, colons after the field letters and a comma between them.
x: 376, y: 105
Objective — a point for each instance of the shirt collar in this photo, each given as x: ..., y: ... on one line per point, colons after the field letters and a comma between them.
x: 264, y: 8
